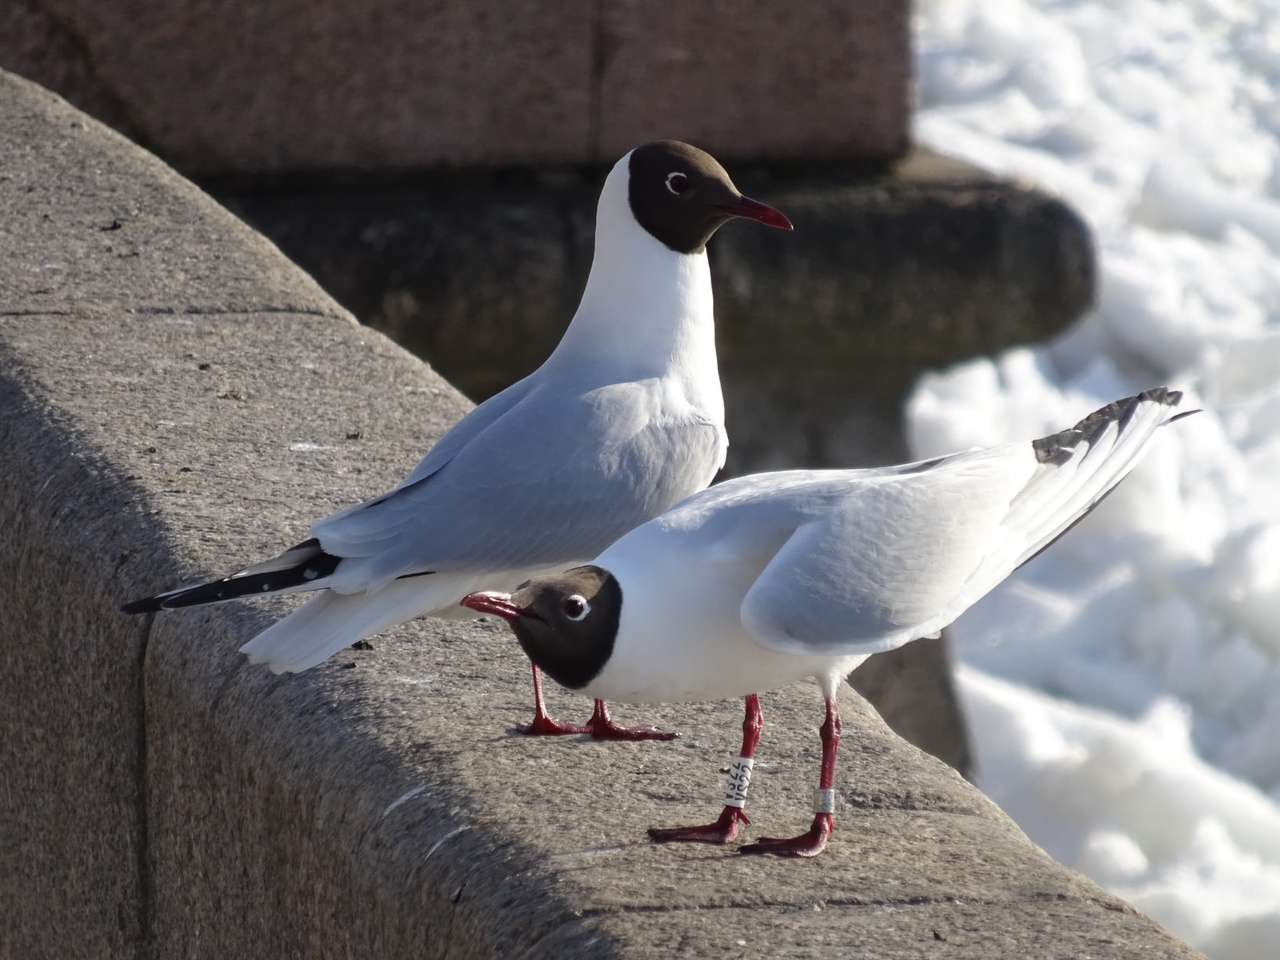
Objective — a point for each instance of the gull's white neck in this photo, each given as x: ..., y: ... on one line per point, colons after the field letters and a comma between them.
x: 646, y: 310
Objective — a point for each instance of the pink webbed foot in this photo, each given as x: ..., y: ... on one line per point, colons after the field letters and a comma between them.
x: 808, y: 844
x: 545, y: 726
x: 602, y: 727
x: 724, y: 830
x: 542, y: 724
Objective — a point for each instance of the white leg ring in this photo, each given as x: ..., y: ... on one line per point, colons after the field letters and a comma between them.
x: 735, y: 792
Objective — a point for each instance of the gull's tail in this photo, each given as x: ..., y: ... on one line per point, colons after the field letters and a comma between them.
x: 327, y: 622
x: 330, y: 621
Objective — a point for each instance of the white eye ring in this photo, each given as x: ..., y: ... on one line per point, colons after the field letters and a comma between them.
x: 677, y: 183
x: 575, y: 607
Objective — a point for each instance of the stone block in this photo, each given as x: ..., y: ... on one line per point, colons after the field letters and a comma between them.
x: 321, y: 86
x: 750, y: 79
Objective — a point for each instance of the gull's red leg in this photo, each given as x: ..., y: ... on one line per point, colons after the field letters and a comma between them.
x: 543, y: 725
x: 725, y: 829
x: 810, y: 844
x: 602, y: 727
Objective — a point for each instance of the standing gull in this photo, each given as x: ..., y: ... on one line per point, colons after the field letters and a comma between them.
x: 775, y: 577
x: 623, y: 420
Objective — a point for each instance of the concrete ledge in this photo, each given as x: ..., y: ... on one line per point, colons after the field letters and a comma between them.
x: 175, y: 398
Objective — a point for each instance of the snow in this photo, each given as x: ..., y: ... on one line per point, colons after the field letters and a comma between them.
x: 1124, y: 687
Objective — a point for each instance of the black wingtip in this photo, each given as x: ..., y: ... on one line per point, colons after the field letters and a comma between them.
x: 300, y: 566
x: 147, y: 605
x: 1060, y: 447
x: 1169, y: 398
x: 1162, y: 395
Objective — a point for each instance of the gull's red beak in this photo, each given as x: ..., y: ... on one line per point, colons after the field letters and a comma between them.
x: 488, y: 601
x: 750, y: 209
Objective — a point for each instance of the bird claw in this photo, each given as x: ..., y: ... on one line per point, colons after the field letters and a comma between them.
x: 724, y: 830
x: 808, y: 844
x: 602, y: 727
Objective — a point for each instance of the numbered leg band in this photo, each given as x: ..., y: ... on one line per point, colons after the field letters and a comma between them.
x: 824, y: 801
x: 735, y: 792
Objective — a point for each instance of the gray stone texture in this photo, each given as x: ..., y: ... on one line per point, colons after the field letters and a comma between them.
x: 175, y: 398
x: 755, y: 79
x: 289, y: 85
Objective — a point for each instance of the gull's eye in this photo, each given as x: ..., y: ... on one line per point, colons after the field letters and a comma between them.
x: 677, y: 183
x: 575, y: 607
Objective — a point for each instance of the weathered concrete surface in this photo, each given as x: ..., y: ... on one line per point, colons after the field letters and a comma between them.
x: 165, y: 799
x: 291, y: 85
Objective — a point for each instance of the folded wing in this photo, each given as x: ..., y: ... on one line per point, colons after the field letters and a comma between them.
x: 902, y: 553
x: 568, y: 474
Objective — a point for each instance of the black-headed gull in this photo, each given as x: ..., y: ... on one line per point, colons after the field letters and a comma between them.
x: 623, y: 420
x: 775, y: 577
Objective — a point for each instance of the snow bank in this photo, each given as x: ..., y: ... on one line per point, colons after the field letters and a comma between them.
x: 1134, y: 730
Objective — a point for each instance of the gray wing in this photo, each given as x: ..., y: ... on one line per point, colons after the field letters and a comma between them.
x: 475, y: 423
x: 901, y: 555
x: 468, y: 428
x: 884, y: 558
x: 551, y: 480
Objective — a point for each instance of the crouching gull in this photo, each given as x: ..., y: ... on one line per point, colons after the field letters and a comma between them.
x: 775, y: 577
x: 622, y: 421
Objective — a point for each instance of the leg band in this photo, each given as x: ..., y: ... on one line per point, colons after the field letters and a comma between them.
x: 735, y: 793
x: 824, y: 801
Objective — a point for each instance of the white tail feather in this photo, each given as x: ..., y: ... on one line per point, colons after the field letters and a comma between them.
x: 330, y: 621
